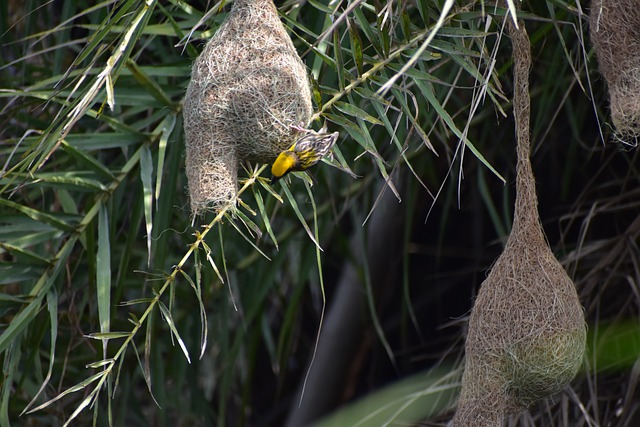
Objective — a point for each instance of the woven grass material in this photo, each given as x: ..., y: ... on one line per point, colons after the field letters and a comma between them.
x: 247, y: 88
x: 526, y: 336
x: 615, y: 34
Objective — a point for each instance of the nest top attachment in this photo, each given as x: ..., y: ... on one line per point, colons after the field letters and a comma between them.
x: 248, y: 91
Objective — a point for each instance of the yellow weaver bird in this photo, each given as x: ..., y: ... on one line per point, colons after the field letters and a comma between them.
x: 304, y: 153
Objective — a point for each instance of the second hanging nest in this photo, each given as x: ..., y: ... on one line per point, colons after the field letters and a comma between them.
x: 527, y: 332
x: 615, y: 34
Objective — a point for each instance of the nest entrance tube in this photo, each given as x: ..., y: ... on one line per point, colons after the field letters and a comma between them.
x: 247, y: 88
x: 527, y: 333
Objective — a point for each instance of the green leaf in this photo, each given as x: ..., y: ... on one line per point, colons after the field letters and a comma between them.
x: 100, y: 363
x: 251, y: 226
x: 19, y: 323
x: 427, y: 91
x: 356, y: 46
x: 354, y: 111
x: 168, y: 124
x: 86, y: 160
x: 52, y: 306
x: 368, y: 30
x: 77, y: 387
x: 135, y: 301
x: 108, y: 335
x: 204, y: 328
x: 146, y: 170
x: 166, y: 315
x: 208, y: 252
x: 405, y: 25
x: 148, y: 83
x: 103, y: 271
x: 38, y: 215
x: 294, y: 206
x: 224, y: 266
x: 11, y: 365
x: 265, y: 217
x: 270, y: 190
x: 337, y: 52
x: 30, y: 256
x: 27, y: 315
x: 321, y: 7
x: 234, y: 225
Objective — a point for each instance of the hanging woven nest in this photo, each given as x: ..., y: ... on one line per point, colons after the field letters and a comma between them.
x: 247, y: 88
x: 615, y: 34
x: 527, y: 333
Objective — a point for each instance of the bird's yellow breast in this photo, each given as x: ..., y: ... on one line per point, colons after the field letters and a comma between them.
x: 284, y: 163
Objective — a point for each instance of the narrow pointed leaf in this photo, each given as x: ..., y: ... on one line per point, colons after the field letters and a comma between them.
x: 208, y: 252
x: 108, y: 335
x: 234, y: 225
x: 148, y: 83
x: 166, y: 315
x: 52, y: 307
x: 38, y: 215
x: 265, y: 217
x: 79, y: 386
x: 204, y: 332
x: 294, y: 206
x: 146, y: 170
x: 103, y: 271
x: 168, y: 124
x: 354, y: 111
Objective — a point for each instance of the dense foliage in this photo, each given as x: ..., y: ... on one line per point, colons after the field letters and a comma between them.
x: 117, y: 307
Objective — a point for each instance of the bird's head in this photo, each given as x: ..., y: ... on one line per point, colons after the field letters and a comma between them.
x: 286, y: 162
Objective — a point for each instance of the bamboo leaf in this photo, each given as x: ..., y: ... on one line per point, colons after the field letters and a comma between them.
x: 52, y: 306
x: 103, y: 271
x: 10, y: 367
x: 166, y: 315
x: 108, y: 335
x: 265, y: 218
x: 86, y: 160
x: 270, y: 190
x: 38, y: 215
x: 19, y: 252
x: 427, y: 91
x: 352, y: 110
x: 251, y: 226
x: 339, y: 60
x: 135, y: 301
x: 146, y: 367
x: 148, y: 83
x: 208, y: 252
x: 356, y: 46
x: 100, y: 363
x: 234, y: 225
x: 204, y: 331
x: 294, y: 206
x: 168, y: 124
x: 77, y: 387
x: 26, y: 316
x: 19, y: 323
x: 86, y: 402
x: 224, y: 266
x: 146, y: 170
x: 368, y: 30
